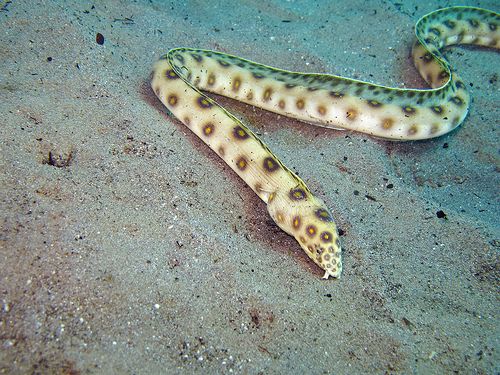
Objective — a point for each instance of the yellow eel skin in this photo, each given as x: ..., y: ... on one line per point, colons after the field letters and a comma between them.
x: 320, y: 99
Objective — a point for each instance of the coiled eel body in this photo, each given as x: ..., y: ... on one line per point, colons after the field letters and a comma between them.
x: 319, y: 99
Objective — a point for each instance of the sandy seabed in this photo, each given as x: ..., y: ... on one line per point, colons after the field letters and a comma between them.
x: 129, y: 247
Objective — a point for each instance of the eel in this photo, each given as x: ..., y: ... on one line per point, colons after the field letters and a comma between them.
x: 331, y: 101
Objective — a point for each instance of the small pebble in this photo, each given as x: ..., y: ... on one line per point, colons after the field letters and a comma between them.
x: 99, y: 38
x: 441, y: 215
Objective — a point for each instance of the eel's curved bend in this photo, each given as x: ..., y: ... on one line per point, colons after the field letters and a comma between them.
x: 320, y: 99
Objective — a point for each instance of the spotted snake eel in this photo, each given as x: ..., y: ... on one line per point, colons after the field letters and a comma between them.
x: 320, y: 99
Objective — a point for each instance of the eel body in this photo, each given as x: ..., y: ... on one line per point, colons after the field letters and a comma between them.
x: 320, y: 99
